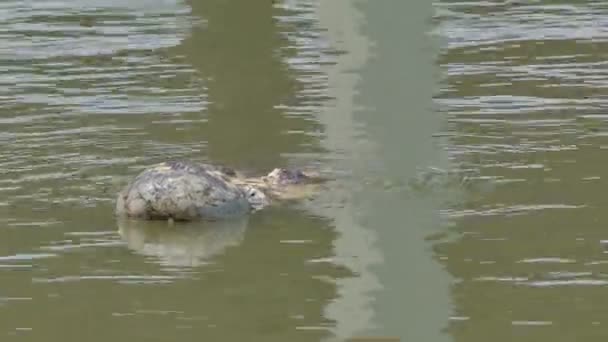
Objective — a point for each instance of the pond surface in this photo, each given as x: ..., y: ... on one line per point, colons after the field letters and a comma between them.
x: 463, y: 141
x: 92, y: 92
x: 524, y: 93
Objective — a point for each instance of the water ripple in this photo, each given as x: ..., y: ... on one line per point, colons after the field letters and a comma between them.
x: 70, y: 69
x: 22, y: 257
x: 524, y: 97
x: 125, y: 279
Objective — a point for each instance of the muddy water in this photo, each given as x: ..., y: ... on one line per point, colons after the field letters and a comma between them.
x: 464, y: 142
x: 524, y: 95
x: 90, y: 93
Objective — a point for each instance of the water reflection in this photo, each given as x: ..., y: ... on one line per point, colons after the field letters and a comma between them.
x: 184, y: 245
x: 248, y: 84
x: 101, y: 90
x: 382, y: 124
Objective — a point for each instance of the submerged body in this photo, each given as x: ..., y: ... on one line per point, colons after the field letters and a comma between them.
x: 182, y: 191
x: 187, y: 191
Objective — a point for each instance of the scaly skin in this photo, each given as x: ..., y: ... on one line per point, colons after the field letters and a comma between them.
x: 189, y: 191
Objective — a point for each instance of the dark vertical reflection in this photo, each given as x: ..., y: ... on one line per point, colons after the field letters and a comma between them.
x: 76, y: 278
x: 237, y: 51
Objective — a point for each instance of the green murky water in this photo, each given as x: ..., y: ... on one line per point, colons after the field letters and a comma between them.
x: 524, y: 96
x: 94, y: 91
x: 464, y: 139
